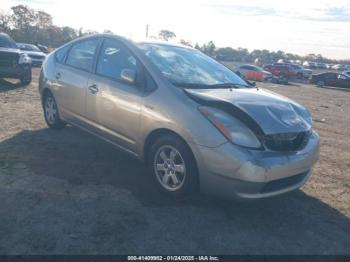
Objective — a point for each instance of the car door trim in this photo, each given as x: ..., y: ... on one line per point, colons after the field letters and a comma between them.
x: 103, y: 138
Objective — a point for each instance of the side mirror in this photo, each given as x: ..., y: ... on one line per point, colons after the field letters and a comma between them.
x: 128, y: 75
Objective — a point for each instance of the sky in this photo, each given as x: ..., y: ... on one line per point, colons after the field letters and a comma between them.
x: 298, y: 26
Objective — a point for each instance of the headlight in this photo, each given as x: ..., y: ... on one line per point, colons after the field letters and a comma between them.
x: 305, y: 114
x: 233, y: 129
x: 24, y: 59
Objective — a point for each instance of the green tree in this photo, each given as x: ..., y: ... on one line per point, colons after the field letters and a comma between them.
x: 209, y: 48
x: 166, y: 35
x: 186, y: 43
x: 5, y: 21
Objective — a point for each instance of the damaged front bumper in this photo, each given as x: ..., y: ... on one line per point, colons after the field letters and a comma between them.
x: 232, y: 171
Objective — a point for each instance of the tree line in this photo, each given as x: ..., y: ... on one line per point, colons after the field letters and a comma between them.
x: 264, y: 56
x: 27, y: 25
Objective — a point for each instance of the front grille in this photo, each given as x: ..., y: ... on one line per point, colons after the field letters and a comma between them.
x: 287, y: 141
x: 8, y: 59
x: 279, y: 184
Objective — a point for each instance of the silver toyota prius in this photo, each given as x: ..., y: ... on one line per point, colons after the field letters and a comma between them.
x: 196, y: 124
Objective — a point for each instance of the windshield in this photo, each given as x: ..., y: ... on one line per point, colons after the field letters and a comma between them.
x: 27, y: 47
x: 7, y: 42
x: 189, y: 67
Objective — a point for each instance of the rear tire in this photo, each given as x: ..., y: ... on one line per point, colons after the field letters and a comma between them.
x: 320, y: 83
x: 51, y: 113
x: 173, y: 167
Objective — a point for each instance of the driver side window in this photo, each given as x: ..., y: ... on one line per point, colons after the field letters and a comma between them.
x: 113, y: 59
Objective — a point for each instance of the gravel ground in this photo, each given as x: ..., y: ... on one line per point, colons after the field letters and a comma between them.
x: 66, y: 192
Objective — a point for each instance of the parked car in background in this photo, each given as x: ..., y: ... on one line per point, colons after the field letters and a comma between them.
x: 321, y: 65
x: 339, y: 67
x: 331, y: 79
x: 254, y: 73
x: 43, y: 48
x: 281, y: 70
x: 33, y: 52
x: 284, y: 61
x: 302, y: 72
x: 13, y: 62
x: 347, y: 73
x: 311, y: 65
x: 192, y: 120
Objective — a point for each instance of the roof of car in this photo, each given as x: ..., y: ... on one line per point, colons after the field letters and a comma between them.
x: 163, y: 43
x: 138, y: 41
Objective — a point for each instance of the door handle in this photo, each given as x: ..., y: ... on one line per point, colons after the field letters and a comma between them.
x: 93, y: 89
x: 58, y: 75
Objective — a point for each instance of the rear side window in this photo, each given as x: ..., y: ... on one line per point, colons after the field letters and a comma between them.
x: 81, y: 55
x: 61, y: 54
x: 115, y: 57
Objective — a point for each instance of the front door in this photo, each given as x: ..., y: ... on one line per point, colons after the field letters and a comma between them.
x: 113, y: 105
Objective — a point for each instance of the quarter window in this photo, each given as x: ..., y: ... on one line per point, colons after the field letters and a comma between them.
x: 114, y: 57
x: 61, y: 54
x: 82, y: 54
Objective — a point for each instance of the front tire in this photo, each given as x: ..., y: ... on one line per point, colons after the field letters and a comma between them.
x: 51, y: 113
x: 173, y: 167
x: 26, y: 78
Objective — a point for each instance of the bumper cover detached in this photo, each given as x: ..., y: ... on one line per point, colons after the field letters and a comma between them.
x: 231, y: 171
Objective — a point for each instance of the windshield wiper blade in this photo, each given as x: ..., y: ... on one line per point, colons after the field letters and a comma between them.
x: 191, y: 85
x: 204, y: 86
x: 227, y: 85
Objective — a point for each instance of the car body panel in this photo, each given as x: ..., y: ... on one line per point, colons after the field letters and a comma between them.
x: 331, y: 79
x: 127, y: 116
x: 9, y: 60
x: 70, y: 91
x: 250, y: 72
x: 117, y: 107
x: 233, y: 171
x: 273, y: 113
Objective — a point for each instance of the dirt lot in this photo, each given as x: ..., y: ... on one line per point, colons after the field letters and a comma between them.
x: 66, y: 192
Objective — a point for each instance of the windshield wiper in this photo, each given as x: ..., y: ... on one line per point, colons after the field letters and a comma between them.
x: 204, y: 86
x: 228, y: 85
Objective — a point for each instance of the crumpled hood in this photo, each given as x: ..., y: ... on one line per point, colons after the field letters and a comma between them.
x: 273, y: 113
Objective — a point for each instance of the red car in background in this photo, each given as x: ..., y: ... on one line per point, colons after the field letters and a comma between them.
x: 281, y: 70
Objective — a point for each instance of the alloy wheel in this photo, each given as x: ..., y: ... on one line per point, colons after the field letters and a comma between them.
x: 169, y: 167
x: 50, y: 110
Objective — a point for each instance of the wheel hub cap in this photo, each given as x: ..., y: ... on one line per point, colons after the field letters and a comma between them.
x: 50, y: 110
x: 170, y: 168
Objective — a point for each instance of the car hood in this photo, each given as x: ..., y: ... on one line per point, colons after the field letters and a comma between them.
x: 274, y: 114
x: 34, y: 53
x: 10, y: 50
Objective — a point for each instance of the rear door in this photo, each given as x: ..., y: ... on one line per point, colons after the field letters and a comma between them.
x: 72, y: 78
x: 113, y: 105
